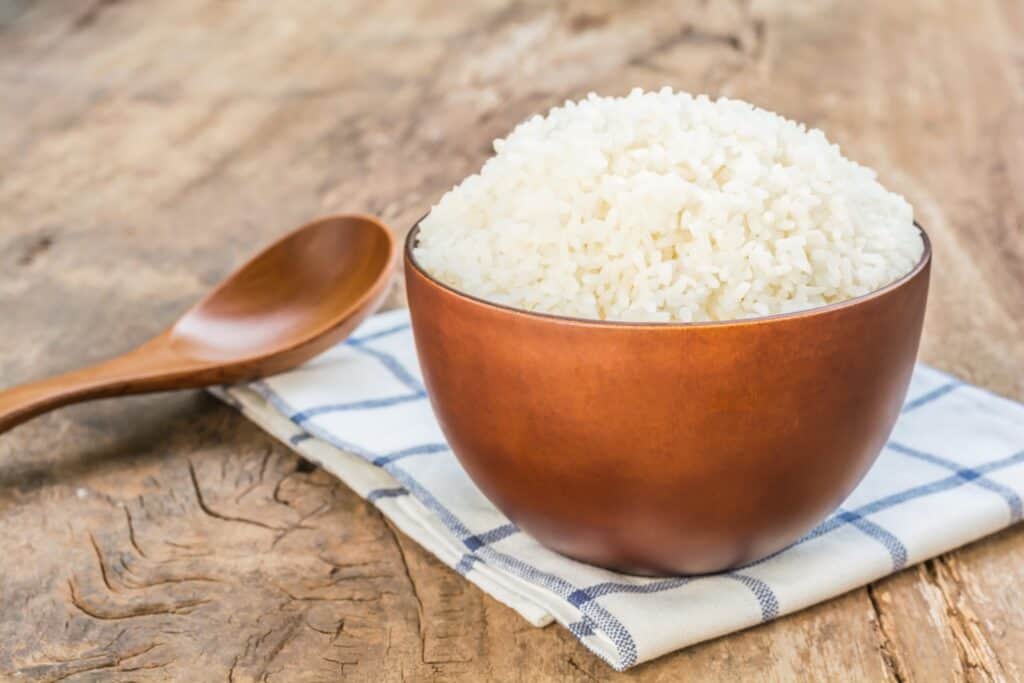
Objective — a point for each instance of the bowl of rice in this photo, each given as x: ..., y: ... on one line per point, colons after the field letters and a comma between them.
x: 667, y: 334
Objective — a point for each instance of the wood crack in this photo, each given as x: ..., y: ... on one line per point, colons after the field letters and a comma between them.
x: 129, y: 611
x: 300, y: 524
x: 319, y: 598
x: 131, y: 531
x: 103, y: 566
x: 747, y: 39
x: 973, y: 649
x: 584, y: 672
x: 219, y: 515
x: 885, y: 639
x: 412, y: 586
x: 276, y: 495
x: 289, y: 633
x: 84, y: 665
x: 688, y: 34
x: 259, y: 477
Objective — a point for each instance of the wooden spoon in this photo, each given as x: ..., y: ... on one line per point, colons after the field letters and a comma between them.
x: 298, y: 297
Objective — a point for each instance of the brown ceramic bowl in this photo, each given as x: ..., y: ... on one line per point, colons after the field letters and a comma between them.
x: 667, y: 448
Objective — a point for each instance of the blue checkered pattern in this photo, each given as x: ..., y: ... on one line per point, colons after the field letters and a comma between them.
x: 953, y: 471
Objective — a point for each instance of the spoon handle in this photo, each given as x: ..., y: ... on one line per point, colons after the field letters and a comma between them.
x: 147, y: 368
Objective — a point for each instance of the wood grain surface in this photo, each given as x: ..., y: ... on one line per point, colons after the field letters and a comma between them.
x: 147, y: 147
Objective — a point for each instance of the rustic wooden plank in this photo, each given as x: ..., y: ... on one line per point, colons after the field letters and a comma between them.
x: 149, y: 146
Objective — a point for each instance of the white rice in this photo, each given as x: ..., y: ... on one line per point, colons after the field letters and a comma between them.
x: 661, y: 206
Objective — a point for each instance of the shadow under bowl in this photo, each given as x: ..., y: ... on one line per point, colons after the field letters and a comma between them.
x: 667, y: 448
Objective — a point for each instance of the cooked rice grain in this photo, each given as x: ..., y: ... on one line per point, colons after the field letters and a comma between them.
x: 663, y: 207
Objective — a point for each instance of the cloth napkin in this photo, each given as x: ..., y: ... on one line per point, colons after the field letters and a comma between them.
x: 952, y: 472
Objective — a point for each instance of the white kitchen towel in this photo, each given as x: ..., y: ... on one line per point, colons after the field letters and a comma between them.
x: 952, y: 472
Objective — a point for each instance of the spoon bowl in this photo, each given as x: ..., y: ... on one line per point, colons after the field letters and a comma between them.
x: 296, y: 298
x: 293, y: 294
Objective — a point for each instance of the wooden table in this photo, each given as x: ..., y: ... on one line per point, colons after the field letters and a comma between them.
x: 147, y: 147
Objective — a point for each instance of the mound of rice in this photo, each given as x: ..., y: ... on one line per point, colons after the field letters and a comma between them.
x: 661, y: 206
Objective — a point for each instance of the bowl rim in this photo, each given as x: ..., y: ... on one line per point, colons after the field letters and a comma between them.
x: 922, y: 265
